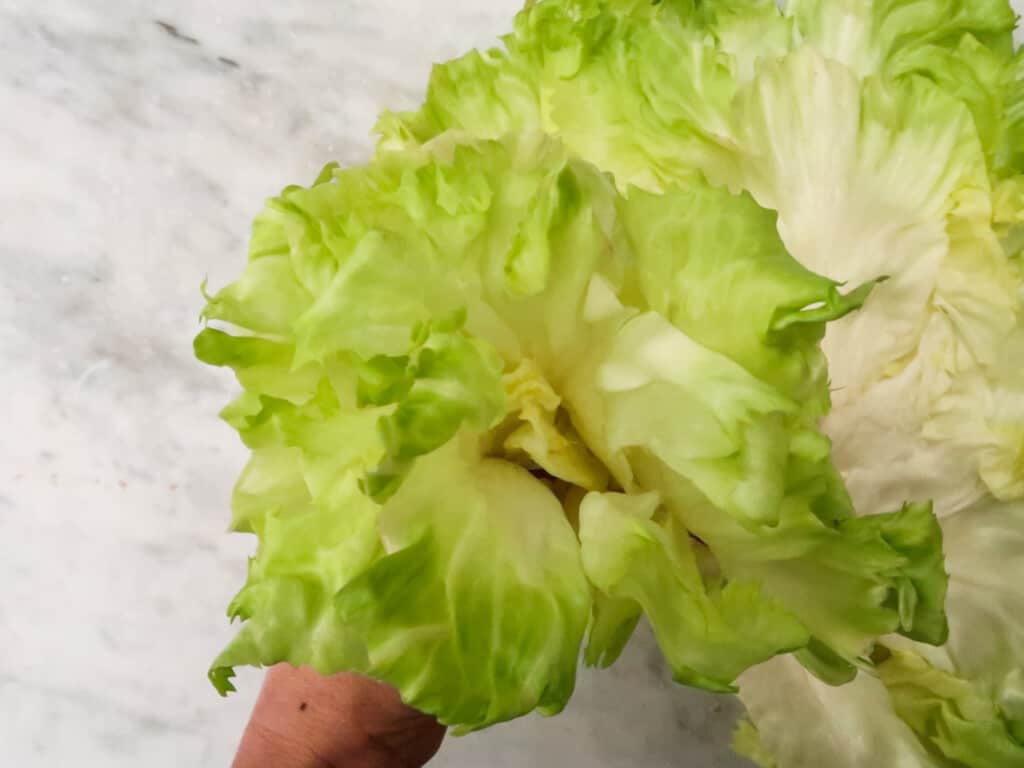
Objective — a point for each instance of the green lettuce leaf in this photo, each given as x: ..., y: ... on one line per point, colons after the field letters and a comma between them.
x: 638, y: 365
x: 871, y: 36
x: 950, y: 714
x: 913, y: 110
x: 750, y: 451
x: 372, y: 395
x: 640, y: 89
x: 1012, y: 150
x: 478, y: 609
x: 486, y: 348
x: 884, y: 574
x: 707, y: 638
x: 964, y: 47
x: 917, y: 705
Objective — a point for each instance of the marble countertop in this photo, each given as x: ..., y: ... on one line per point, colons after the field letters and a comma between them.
x: 138, y: 141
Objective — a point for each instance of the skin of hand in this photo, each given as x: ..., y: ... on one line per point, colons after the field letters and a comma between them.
x: 306, y: 720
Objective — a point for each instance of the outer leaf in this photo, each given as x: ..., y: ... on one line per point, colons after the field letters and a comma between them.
x: 467, y: 306
x: 576, y: 69
x: 305, y: 557
x: 708, y: 639
x: 986, y: 604
x: 758, y: 305
x: 1012, y: 156
x: 640, y: 90
x: 948, y: 304
x: 477, y: 611
x: 882, y: 575
x: 802, y: 721
x: 868, y: 35
x: 949, y: 714
x: 961, y: 702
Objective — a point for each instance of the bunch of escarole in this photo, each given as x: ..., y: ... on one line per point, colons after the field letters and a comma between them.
x: 702, y: 312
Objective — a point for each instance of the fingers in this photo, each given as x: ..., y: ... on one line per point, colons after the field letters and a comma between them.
x: 305, y: 720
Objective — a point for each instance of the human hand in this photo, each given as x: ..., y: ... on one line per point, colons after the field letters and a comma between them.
x: 306, y: 720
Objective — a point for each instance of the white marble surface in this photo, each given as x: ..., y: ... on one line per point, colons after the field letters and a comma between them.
x: 132, y: 159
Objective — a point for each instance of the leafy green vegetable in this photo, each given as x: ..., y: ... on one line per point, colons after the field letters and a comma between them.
x: 919, y: 705
x: 485, y: 346
x: 911, y: 103
x: 661, y: 309
x: 707, y: 639
x: 949, y: 714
